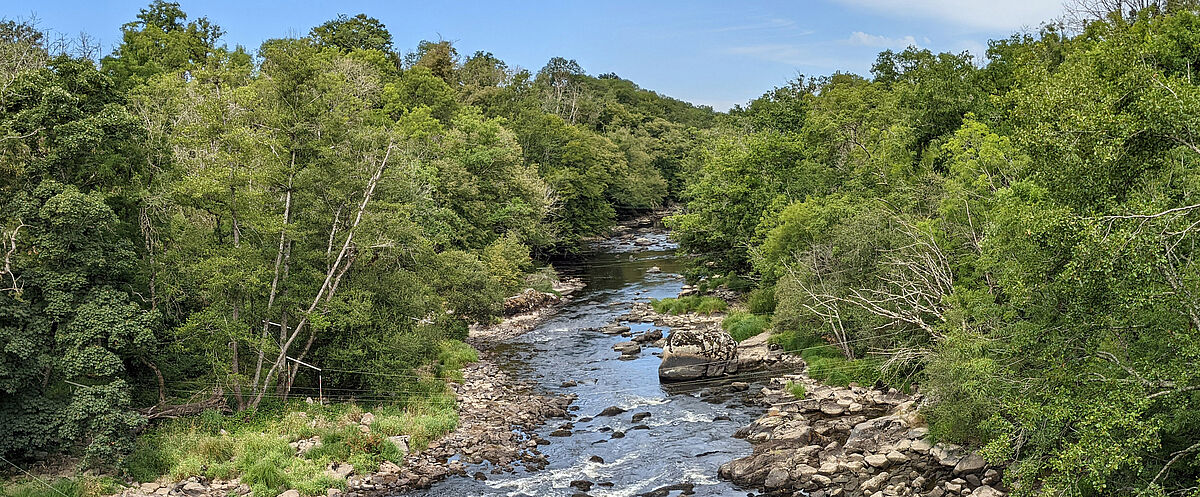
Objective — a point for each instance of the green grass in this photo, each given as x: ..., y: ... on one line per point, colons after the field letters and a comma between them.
x: 796, y: 389
x: 828, y: 365
x: 80, y: 486
x: 743, y: 325
x: 254, y: 445
x: 691, y: 303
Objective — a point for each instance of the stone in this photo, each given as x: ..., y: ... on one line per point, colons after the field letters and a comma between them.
x: 614, y: 329
x: 611, y: 411
x: 969, y: 464
x: 583, y: 485
x: 640, y: 416
x: 878, y: 461
x: 805, y: 471
x: 529, y: 300
x: 629, y: 347
x: 897, y: 457
x: 339, y: 470
x: 953, y: 488
x: 654, y: 269
x: 333, y: 492
x: 192, y: 486
x: 290, y: 493
x: 367, y: 419
x: 947, y: 454
x: 691, y: 354
x: 776, y: 478
x: 148, y: 488
x: 874, y: 482
x: 987, y: 491
x: 400, y: 442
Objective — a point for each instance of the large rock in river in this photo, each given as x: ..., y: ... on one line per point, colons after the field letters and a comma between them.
x: 692, y: 354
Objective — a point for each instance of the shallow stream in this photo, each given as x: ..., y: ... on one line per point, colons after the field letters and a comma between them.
x: 688, y: 433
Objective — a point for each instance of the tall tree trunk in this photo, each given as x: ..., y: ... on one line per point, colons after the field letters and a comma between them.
x: 326, y: 285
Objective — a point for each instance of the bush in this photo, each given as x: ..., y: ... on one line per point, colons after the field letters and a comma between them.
x: 691, y: 303
x: 762, y: 300
x: 743, y: 325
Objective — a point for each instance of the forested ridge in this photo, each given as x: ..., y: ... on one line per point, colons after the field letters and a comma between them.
x: 185, y: 224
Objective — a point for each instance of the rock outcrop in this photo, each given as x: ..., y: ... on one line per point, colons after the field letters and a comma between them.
x: 698, y: 353
x: 852, y: 441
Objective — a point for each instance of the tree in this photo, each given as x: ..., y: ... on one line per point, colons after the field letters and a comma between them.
x: 353, y: 33
x: 158, y: 42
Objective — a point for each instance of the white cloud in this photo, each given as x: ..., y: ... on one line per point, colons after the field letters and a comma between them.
x: 999, y: 15
x: 869, y: 40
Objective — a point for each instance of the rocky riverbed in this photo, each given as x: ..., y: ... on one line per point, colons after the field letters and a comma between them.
x: 852, y: 441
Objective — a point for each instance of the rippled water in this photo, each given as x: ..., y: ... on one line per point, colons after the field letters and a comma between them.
x: 689, y: 427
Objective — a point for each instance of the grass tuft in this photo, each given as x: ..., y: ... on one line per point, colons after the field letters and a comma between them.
x: 692, y: 303
x: 743, y: 325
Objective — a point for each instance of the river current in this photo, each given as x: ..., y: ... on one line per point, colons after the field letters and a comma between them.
x: 688, y: 433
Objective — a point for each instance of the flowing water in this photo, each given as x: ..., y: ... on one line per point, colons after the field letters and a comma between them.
x: 690, y: 426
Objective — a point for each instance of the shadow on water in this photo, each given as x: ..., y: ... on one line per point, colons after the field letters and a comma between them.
x: 687, y: 434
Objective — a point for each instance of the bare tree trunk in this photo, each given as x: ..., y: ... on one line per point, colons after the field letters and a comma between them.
x: 281, y: 359
x: 287, y: 215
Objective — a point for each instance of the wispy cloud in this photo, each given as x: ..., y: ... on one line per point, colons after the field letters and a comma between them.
x: 785, y: 53
x: 980, y: 14
x: 878, y: 41
x: 773, y: 23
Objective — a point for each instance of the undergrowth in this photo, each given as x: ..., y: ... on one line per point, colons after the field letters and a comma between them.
x: 253, y: 445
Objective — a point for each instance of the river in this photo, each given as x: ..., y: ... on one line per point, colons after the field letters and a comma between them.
x: 688, y: 433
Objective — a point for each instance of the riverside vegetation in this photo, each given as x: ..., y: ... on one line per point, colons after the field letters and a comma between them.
x: 187, y: 226
x: 1009, y: 240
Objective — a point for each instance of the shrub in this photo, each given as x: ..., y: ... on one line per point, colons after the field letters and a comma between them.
x: 762, y: 300
x: 743, y: 325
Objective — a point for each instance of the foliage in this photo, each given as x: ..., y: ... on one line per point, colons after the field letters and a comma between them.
x: 1017, y: 238
x: 182, y: 220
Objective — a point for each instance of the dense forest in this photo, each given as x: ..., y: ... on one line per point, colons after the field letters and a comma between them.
x: 186, y: 224
x: 1018, y: 237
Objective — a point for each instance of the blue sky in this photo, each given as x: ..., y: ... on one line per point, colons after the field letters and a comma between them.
x: 708, y: 52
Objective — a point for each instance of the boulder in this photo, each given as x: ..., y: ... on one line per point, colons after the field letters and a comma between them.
x: 692, y: 354
x: 969, y: 464
x: 400, y: 442
x: 528, y: 300
x: 614, y: 329
x: 987, y: 491
x: 627, y: 347
x: 776, y: 478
